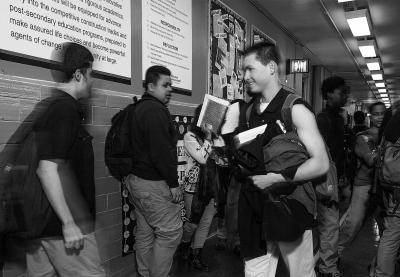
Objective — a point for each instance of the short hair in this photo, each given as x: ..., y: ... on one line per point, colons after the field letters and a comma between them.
x: 332, y: 83
x: 359, y: 117
x: 153, y: 74
x: 75, y: 57
x: 265, y: 52
x: 372, y: 106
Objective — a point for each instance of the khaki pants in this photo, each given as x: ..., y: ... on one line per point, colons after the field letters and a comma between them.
x: 298, y: 257
x: 48, y: 257
x: 159, y: 226
x: 328, y: 229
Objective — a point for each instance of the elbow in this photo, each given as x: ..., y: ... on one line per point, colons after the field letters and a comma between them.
x: 324, y: 166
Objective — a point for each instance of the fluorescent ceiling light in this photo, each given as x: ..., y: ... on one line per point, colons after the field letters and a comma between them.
x: 359, y: 22
x: 341, y: 1
x: 380, y: 85
x: 367, y: 48
x: 382, y: 90
x: 377, y: 77
x: 373, y: 64
x: 384, y: 95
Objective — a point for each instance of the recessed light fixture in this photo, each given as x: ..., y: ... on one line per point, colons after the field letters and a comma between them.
x: 377, y: 77
x: 380, y: 85
x: 359, y: 22
x: 384, y: 95
x: 367, y: 48
x: 382, y: 90
x: 373, y: 64
x: 341, y: 1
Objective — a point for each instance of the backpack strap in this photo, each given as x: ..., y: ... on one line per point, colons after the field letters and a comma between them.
x: 286, y: 111
x: 248, y: 112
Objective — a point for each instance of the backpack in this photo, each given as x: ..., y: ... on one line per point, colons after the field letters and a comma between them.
x: 118, y: 151
x: 326, y: 186
x: 389, y: 163
x: 30, y: 211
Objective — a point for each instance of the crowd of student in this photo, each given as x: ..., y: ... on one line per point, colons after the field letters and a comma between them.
x: 266, y: 210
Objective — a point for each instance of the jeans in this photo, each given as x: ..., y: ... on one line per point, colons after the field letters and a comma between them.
x: 298, y: 257
x: 159, y: 226
x: 328, y: 229
x: 388, y: 248
x: 352, y: 220
x: 198, y: 233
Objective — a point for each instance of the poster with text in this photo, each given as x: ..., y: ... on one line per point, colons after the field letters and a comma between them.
x: 227, y: 43
x: 38, y: 28
x: 258, y: 36
x: 167, y: 39
x: 181, y: 124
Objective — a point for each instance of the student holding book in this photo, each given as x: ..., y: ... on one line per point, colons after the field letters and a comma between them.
x: 261, y: 76
x: 200, y: 189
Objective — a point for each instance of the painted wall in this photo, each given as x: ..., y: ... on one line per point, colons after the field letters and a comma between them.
x: 23, y: 86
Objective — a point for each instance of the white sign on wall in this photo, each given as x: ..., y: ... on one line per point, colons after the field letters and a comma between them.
x: 167, y: 38
x: 38, y: 27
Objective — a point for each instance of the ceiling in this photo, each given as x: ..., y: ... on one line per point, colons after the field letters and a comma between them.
x: 321, y: 27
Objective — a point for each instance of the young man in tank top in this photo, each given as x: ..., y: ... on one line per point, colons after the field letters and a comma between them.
x: 261, y: 75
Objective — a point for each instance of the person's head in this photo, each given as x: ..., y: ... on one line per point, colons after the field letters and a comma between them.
x: 77, y: 67
x: 260, y: 66
x: 335, y: 91
x: 158, y: 83
x: 359, y: 117
x: 193, y: 126
x: 377, y: 111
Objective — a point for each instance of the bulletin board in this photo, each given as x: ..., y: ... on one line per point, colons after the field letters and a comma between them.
x: 227, y: 38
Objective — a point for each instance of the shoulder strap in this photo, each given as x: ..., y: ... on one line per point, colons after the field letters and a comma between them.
x: 248, y: 112
x: 286, y: 111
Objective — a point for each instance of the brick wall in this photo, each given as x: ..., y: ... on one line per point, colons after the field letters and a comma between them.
x: 18, y: 97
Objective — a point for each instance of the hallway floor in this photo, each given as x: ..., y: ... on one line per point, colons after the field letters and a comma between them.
x: 354, y: 263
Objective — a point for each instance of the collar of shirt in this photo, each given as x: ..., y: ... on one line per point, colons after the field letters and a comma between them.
x: 64, y: 95
x: 149, y: 96
x: 274, y: 105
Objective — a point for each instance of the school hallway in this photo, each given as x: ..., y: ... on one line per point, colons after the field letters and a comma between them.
x: 355, y: 262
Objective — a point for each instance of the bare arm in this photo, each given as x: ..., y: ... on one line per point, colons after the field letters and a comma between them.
x: 48, y: 172
x: 316, y: 165
x: 363, y: 151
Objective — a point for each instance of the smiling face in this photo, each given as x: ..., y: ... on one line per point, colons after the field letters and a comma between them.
x: 377, y: 114
x: 257, y: 75
x: 162, y: 89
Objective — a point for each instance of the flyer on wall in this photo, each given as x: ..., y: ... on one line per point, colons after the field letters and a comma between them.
x: 167, y: 39
x: 227, y: 31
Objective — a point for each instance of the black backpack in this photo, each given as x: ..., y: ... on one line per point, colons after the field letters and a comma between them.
x: 26, y: 210
x: 118, y: 151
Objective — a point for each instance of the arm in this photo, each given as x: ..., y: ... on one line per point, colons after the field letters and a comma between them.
x: 363, y: 151
x: 316, y: 165
x: 48, y: 172
x: 197, y: 151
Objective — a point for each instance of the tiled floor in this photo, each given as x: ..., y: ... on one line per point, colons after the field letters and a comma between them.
x: 355, y: 262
